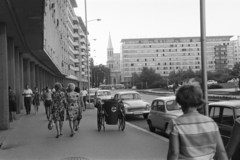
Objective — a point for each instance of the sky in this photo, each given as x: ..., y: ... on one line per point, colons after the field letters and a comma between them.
x: 124, y: 19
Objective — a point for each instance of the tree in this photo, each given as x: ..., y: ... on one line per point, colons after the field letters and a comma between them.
x: 149, y: 75
x: 236, y: 69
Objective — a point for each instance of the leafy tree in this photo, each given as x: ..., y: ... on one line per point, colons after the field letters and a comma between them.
x: 149, y: 75
x: 236, y: 69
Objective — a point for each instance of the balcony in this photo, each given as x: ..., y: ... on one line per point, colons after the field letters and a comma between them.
x: 72, y: 17
x: 73, y: 59
x: 73, y: 51
x: 83, y: 66
x: 83, y: 47
x: 76, y: 69
x: 82, y: 34
x: 82, y: 40
x: 75, y: 43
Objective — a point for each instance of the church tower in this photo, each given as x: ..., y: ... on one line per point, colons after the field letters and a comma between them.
x: 110, y: 53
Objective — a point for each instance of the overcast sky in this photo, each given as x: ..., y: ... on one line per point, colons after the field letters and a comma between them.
x: 154, y: 18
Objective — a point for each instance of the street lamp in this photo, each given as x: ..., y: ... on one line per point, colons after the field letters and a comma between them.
x: 92, y: 19
x: 87, y: 44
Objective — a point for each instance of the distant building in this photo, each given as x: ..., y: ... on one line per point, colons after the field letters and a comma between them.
x: 168, y: 54
x: 113, y: 63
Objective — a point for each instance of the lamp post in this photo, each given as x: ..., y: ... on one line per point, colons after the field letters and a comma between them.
x: 87, y: 45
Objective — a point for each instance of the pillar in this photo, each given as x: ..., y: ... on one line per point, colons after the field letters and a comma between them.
x: 17, y: 80
x: 11, y: 63
x: 33, y: 75
x: 21, y: 78
x: 4, y: 104
x: 26, y: 72
x: 37, y: 76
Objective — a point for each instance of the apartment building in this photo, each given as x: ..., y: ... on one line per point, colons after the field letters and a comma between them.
x: 40, y: 43
x: 168, y: 54
x: 113, y: 63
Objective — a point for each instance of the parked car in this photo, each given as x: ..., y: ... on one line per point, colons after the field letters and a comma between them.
x: 134, y: 87
x: 102, y: 95
x: 224, y: 114
x: 170, y: 86
x: 233, y: 80
x: 163, y: 109
x: 211, y: 82
x: 133, y: 103
x: 92, y: 94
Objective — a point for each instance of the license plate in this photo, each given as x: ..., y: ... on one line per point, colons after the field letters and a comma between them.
x: 137, y: 113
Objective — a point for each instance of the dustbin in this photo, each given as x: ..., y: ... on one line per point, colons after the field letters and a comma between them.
x: 111, y: 108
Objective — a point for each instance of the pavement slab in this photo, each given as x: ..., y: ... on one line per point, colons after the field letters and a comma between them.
x: 31, y: 140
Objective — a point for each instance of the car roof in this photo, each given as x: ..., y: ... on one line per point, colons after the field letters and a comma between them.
x: 126, y: 92
x: 102, y: 90
x: 167, y: 98
x: 231, y: 103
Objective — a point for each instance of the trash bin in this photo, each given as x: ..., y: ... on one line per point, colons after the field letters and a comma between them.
x: 111, y: 108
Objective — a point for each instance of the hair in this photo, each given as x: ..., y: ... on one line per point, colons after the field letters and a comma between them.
x: 71, y: 86
x: 190, y: 95
x: 35, y: 88
x: 77, y: 89
x: 58, y: 86
x: 26, y: 85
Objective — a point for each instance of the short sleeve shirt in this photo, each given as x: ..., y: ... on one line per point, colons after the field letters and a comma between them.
x: 28, y: 92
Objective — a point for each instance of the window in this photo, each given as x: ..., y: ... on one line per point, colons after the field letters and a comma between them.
x: 222, y: 115
x: 132, y: 64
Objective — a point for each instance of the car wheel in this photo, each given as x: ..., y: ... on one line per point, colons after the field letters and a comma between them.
x: 151, y: 128
x: 145, y: 116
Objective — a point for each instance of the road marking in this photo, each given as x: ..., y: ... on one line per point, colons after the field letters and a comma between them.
x: 146, y: 131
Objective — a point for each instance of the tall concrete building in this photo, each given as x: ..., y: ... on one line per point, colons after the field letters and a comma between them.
x: 40, y: 43
x: 168, y: 54
x: 113, y: 63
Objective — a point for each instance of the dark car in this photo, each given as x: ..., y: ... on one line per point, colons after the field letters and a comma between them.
x: 224, y: 114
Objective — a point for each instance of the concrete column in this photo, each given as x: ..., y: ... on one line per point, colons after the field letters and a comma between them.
x: 21, y: 78
x: 40, y: 77
x: 37, y: 76
x: 11, y: 63
x: 4, y: 103
x: 26, y: 72
x: 17, y: 80
x: 33, y: 75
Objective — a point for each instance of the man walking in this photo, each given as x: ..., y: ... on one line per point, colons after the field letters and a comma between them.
x: 84, y: 94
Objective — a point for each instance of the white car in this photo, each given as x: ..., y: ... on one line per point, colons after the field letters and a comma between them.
x: 233, y: 80
x: 170, y: 86
x: 134, y: 87
x: 163, y: 109
x: 211, y: 82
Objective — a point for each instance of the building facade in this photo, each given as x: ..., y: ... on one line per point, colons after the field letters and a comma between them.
x: 113, y: 63
x: 40, y: 43
x: 168, y: 54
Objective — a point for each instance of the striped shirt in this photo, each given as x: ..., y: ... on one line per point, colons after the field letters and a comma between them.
x: 197, y: 136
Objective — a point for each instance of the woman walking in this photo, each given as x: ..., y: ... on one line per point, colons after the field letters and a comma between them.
x: 27, y: 93
x: 73, y: 104
x: 58, y: 108
x: 193, y: 135
x: 36, y: 99
x: 77, y: 89
x: 12, y: 104
x: 47, y: 99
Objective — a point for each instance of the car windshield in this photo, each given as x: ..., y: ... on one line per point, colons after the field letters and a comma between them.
x: 130, y: 96
x: 172, y: 105
x: 92, y: 91
x: 104, y: 93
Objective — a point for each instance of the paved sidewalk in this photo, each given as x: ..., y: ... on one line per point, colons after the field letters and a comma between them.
x: 30, y: 139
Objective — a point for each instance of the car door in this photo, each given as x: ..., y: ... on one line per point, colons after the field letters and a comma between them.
x: 153, y: 115
x: 160, y: 112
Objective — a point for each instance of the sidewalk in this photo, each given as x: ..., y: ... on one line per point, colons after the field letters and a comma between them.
x: 30, y: 139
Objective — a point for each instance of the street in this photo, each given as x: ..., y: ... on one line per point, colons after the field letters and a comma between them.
x: 31, y: 139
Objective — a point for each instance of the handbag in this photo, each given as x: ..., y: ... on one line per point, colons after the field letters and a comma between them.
x: 50, y: 124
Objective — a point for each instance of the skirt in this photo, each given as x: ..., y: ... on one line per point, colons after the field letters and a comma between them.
x: 12, y: 106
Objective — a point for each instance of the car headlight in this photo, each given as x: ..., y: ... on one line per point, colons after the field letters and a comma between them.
x: 147, y: 106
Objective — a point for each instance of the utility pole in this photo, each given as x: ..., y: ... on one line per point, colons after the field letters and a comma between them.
x: 203, y: 54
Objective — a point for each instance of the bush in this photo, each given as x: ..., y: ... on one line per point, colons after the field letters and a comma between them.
x: 214, y: 86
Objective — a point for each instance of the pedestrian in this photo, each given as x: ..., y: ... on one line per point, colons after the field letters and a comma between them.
x: 73, y: 105
x: 193, y: 135
x: 58, y: 108
x: 47, y: 99
x: 77, y: 89
x: 12, y: 104
x: 27, y: 93
x: 36, y: 99
x: 234, y: 139
x: 84, y: 94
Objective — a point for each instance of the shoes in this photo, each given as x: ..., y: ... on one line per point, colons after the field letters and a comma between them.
x: 57, y: 136
x: 73, y: 133
x: 60, y: 134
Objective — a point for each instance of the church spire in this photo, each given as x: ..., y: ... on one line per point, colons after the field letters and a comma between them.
x: 110, y: 42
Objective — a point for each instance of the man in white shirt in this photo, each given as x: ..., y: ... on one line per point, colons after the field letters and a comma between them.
x: 27, y: 93
x: 84, y: 94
